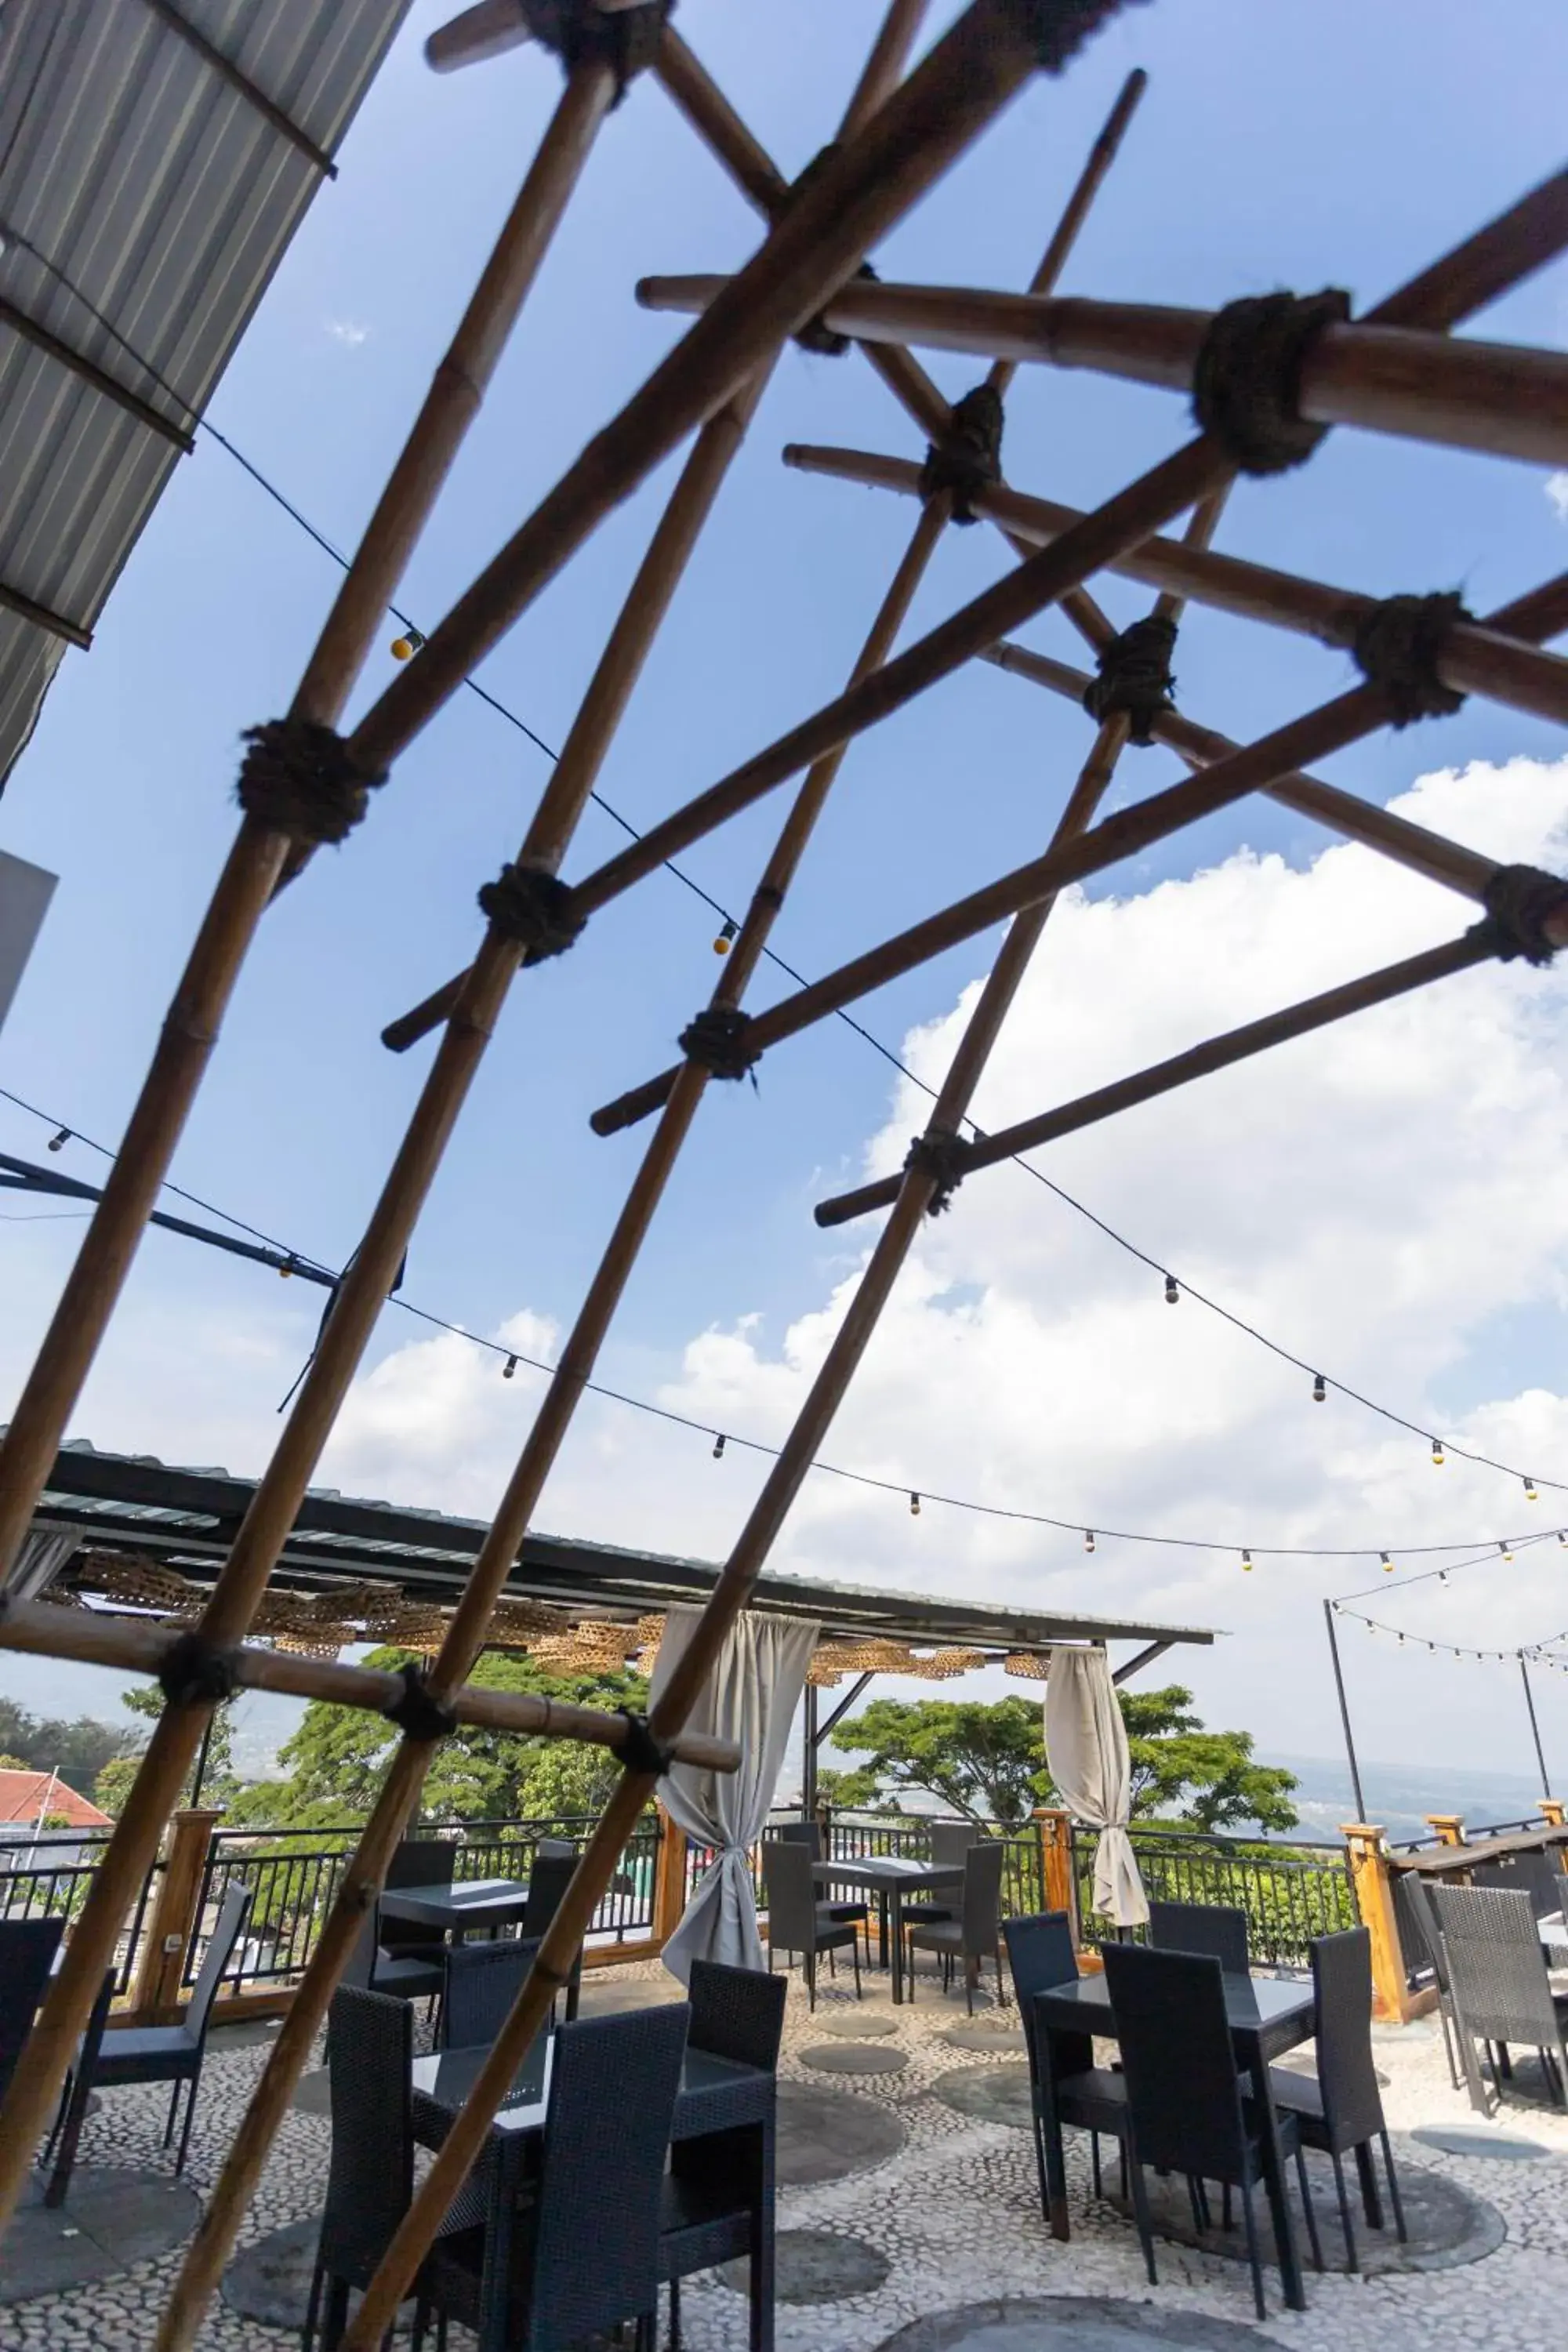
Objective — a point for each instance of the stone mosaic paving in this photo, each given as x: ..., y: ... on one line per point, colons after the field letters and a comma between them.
x: 947, y: 2199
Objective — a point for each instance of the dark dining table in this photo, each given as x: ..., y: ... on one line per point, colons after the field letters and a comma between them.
x: 468, y: 1903
x: 716, y: 2095
x: 1266, y: 2016
x: 891, y: 1876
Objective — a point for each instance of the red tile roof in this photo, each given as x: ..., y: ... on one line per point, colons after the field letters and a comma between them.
x: 24, y: 1795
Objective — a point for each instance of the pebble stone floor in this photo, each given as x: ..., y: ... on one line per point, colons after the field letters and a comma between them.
x: 954, y: 2213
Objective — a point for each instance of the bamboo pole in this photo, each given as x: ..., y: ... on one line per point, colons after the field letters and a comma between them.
x: 1502, y: 399
x: 1180, y: 1069
x: 1473, y: 660
x: 138, y: 1646
x: 1318, y: 732
x: 358, y: 1302
x: 258, y: 857
x: 981, y: 63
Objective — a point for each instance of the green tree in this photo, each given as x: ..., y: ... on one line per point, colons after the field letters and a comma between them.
x: 219, y: 1781
x: 77, y: 1751
x: 987, y: 1761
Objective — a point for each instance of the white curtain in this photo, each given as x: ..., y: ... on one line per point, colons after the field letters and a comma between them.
x: 751, y: 1696
x: 43, y: 1555
x: 1085, y: 1748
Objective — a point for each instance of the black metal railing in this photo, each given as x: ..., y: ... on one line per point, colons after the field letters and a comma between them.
x: 1291, y: 1892
x: 49, y: 1878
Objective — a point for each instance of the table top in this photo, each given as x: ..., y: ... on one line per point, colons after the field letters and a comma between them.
x: 1269, y: 2006
x: 490, y: 1902
x: 1437, y: 1861
x: 715, y: 2093
x: 888, y: 1870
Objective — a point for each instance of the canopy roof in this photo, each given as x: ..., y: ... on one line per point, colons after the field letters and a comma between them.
x: 186, y: 1519
x: 155, y: 158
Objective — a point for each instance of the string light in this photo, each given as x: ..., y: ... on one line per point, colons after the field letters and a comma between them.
x: 508, y: 1370
x: 404, y: 647
x: 726, y: 934
x: 1320, y: 1388
x: 1247, y: 1560
x: 58, y: 1143
x: 914, y: 1505
x: 1507, y: 1556
x: 1436, y: 1454
x: 288, y: 1267
x: 1387, y: 1563
x: 1089, y: 1538
x: 1172, y: 1290
x: 1562, y: 1539
x: 1530, y: 1494
x: 719, y: 1447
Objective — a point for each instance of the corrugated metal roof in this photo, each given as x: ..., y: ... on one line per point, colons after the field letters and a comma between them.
x: 134, y: 173
x: 187, y: 1519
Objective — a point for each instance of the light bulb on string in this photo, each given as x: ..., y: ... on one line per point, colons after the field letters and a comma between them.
x: 726, y: 935
x: 404, y: 647
x: 1320, y: 1388
x: 287, y: 1268
x: 1530, y: 1494
x: 58, y: 1141
x: 1436, y: 1454
x: 1507, y: 1556
x: 508, y: 1370
x: 1172, y: 1290
x: 1387, y: 1563
x: 1089, y: 1538
x: 719, y: 1445
x: 1247, y: 1560
x: 1442, y: 1576
x: 914, y: 1505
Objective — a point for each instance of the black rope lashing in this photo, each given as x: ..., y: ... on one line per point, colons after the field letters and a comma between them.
x: 532, y: 908
x: 639, y: 1751
x: 1519, y: 901
x: 1397, y: 645
x: 625, y: 39
x: 196, y: 1672
x: 1247, y: 383
x: 298, y: 778
x: 967, y: 458
x: 814, y: 336
x: 419, y: 1715
x: 718, y: 1039
x: 1135, y: 676
x: 938, y: 1154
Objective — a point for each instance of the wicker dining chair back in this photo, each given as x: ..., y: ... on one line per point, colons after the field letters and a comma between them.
x: 27, y: 1948
x: 791, y: 1894
x: 233, y: 1913
x: 981, y: 1911
x: 1040, y: 1956
x: 1178, y: 2059
x: 806, y: 1833
x: 594, y: 2247
x: 482, y: 1982
x: 550, y: 1874
x: 1347, y: 2077
x: 1499, y: 1980
x: 737, y: 2013
x: 418, y: 1862
x: 950, y: 1842
x: 1216, y: 1929
x: 371, y: 2177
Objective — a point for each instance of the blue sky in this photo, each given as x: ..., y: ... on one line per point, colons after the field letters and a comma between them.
x: 1303, y: 143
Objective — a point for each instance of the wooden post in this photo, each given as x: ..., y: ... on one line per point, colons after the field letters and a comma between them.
x: 1551, y: 1810
x: 1374, y: 1898
x: 1450, y: 1828
x: 670, y: 1879
x: 1053, y: 1826
x: 156, y: 2000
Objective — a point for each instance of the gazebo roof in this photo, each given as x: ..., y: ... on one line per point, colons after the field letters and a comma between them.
x: 185, y: 1518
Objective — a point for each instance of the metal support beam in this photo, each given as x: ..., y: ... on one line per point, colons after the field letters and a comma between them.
x: 1345, y: 1712
x: 54, y: 625
x: 1144, y: 1658
x: 843, y: 1707
x: 90, y: 372
x: 239, y: 79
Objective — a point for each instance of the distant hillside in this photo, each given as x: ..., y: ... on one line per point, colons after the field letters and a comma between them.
x: 1400, y: 1796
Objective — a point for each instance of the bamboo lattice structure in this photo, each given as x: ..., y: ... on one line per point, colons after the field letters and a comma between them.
x: 1268, y: 378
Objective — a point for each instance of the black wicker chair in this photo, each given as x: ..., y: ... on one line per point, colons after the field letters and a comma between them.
x: 482, y: 1981
x: 1188, y: 2111
x: 371, y: 2179
x: 950, y: 1844
x: 27, y: 1948
x: 550, y: 1874
x: 976, y: 1934
x: 583, y: 2255
x: 797, y: 1922
x: 1215, y: 1928
x: 59, y: 2151
x: 809, y: 1834
x: 1423, y: 1944
x: 409, y: 1952
x: 1040, y: 1956
x: 162, y: 2054
x: 719, y: 2193
x: 1499, y: 1984
x: 1339, y: 2109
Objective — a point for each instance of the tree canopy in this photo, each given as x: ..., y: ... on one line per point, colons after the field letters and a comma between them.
x: 986, y: 1761
x: 77, y: 1751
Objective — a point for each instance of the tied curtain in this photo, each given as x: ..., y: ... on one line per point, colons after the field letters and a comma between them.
x: 750, y: 1698
x: 43, y: 1555
x: 1085, y: 1748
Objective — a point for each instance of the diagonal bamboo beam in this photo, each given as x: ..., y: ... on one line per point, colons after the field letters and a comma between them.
x: 259, y: 854
x: 1501, y: 399
x: 1330, y: 728
x: 1472, y: 660
x: 1476, y: 946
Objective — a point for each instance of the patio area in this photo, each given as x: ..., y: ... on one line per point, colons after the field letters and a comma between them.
x: 908, y: 2210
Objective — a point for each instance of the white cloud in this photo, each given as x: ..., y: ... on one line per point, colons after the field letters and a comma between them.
x: 1556, y: 487
x: 347, y: 332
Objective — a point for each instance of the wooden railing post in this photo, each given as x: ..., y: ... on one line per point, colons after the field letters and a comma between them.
x: 1374, y: 1900
x: 1450, y: 1827
x: 1054, y: 1828
x: 668, y: 1879
x: 1551, y: 1812
x: 156, y: 1999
